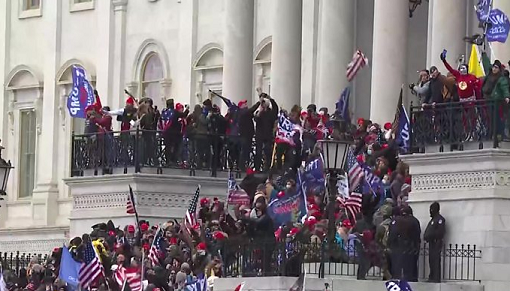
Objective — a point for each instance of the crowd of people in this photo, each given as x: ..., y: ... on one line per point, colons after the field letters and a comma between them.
x: 381, y: 232
x: 434, y: 91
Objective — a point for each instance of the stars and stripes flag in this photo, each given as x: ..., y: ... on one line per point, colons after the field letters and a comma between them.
x: 239, y: 287
x: 352, y: 204
x: 130, y: 276
x: 91, y: 267
x: 354, y: 170
x: 190, y: 220
x: 200, y: 284
x: 236, y: 195
x: 131, y: 206
x: 156, y: 247
x: 359, y: 61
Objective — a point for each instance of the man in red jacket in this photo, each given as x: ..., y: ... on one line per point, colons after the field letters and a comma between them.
x: 468, y: 85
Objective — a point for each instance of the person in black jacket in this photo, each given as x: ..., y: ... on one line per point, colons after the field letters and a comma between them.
x: 173, y: 135
x: 246, y: 131
x: 404, y: 243
x: 435, y: 94
x: 434, y: 235
x: 265, y: 118
x: 217, y: 128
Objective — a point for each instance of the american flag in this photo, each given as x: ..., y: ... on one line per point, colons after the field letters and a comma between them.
x: 191, y: 213
x: 236, y: 195
x: 131, y: 276
x: 156, y: 247
x: 352, y: 204
x: 355, y: 171
x: 130, y: 205
x: 358, y: 62
x: 200, y: 284
x: 91, y: 267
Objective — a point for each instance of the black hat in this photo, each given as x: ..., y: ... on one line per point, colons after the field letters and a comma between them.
x: 313, y: 107
x: 432, y: 69
x: 497, y: 63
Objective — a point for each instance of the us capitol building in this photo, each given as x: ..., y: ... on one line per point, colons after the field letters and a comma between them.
x: 296, y: 50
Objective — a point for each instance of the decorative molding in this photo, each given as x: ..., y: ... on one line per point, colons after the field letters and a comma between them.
x: 38, y: 77
x: 458, y: 181
x: 76, y: 6
x: 38, y: 108
x: 120, y: 5
x: 148, y: 47
x: 10, y: 112
x: 142, y: 199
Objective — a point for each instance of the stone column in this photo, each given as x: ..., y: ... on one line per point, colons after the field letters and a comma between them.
x: 447, y: 32
x: 389, y: 58
x: 501, y: 51
x: 119, y: 55
x: 238, y: 50
x: 286, y: 54
x: 104, y: 53
x: 336, y: 47
x: 44, y: 200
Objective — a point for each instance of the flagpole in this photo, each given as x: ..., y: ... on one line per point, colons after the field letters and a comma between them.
x: 143, y: 265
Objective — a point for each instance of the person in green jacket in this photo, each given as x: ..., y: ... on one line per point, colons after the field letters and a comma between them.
x: 496, y: 87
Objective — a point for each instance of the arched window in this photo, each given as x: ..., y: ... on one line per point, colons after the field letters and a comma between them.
x: 152, y: 75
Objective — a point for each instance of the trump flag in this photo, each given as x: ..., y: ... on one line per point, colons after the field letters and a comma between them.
x: 82, y: 94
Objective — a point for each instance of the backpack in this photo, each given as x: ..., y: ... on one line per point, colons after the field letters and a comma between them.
x: 384, y: 240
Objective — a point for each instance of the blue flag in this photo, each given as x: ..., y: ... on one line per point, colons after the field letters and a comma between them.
x: 314, y: 182
x: 499, y: 26
x: 402, y: 135
x: 69, y: 268
x: 82, y: 94
x: 342, y: 106
x: 398, y: 285
x: 291, y: 208
x: 371, y: 183
x: 482, y: 10
x: 200, y: 284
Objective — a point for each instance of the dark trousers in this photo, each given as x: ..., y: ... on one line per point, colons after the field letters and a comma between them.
x: 287, y: 151
x: 173, y: 150
x: 435, y: 261
x: 403, y: 264
x: 246, y: 150
x: 265, y: 146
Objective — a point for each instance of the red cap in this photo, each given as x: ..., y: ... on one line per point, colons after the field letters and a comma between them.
x: 201, y: 246
x: 277, y: 233
x: 130, y: 100
x: 384, y: 146
x: 219, y: 235
x: 360, y: 158
x: 313, y: 207
x: 281, y: 194
x: 146, y: 247
x: 294, y: 231
x: 179, y: 106
x: 250, y: 171
x: 241, y: 103
x: 387, y: 126
x: 360, y: 121
x: 347, y: 223
x: 131, y: 228
x: 111, y: 233
x: 56, y: 249
x: 204, y: 201
x: 144, y: 226
x: 173, y: 241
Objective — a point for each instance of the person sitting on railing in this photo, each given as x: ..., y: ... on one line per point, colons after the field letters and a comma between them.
x: 468, y: 85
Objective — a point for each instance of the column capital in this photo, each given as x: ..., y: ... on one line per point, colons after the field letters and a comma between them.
x: 119, y: 5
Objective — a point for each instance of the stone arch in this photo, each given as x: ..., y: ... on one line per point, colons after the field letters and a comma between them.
x: 23, y: 77
x: 210, y: 56
x: 64, y: 69
x: 149, y: 47
x: 263, y: 49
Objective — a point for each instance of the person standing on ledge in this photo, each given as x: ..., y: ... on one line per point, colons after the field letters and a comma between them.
x: 434, y: 235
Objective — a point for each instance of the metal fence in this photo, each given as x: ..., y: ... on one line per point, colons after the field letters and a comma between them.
x: 454, y: 124
x: 458, y: 262
x: 16, y: 261
x: 137, y: 149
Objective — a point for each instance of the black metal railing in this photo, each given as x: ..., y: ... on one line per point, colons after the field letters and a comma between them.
x: 138, y: 149
x: 458, y: 262
x: 18, y: 261
x: 456, y: 123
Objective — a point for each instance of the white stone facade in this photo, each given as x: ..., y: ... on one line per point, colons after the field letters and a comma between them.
x: 180, y: 49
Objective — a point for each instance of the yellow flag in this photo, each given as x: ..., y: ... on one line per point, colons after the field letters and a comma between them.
x: 475, y: 62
